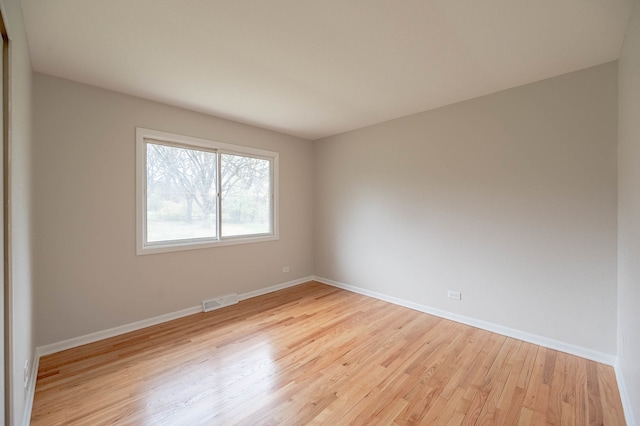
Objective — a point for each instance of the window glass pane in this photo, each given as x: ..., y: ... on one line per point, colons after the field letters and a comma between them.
x: 181, y: 193
x: 246, y: 195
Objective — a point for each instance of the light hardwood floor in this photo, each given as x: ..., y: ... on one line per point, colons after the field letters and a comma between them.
x: 314, y: 354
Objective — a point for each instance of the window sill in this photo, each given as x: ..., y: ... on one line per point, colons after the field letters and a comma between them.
x: 166, y: 248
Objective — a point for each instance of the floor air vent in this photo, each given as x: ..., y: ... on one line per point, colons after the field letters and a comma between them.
x: 219, y: 302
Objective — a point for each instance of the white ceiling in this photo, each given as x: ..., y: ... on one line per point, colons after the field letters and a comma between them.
x: 314, y: 68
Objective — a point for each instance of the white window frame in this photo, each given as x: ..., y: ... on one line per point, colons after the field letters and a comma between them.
x: 142, y: 246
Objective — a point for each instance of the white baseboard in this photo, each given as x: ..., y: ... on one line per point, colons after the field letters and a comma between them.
x: 116, y: 331
x: 495, y: 328
x: 629, y: 415
x: 30, y: 390
x: 517, y: 334
x: 273, y: 288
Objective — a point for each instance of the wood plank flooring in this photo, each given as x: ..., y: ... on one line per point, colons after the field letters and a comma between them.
x: 314, y: 354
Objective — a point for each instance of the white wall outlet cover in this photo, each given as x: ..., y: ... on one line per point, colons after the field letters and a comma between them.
x: 454, y: 295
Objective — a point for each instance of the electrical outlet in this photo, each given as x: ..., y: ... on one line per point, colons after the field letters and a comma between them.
x: 285, y: 269
x: 26, y: 373
x: 456, y: 295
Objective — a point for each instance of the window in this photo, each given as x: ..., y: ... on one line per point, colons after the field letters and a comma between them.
x: 195, y: 193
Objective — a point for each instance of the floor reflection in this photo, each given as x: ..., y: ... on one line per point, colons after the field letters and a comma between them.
x: 212, y: 387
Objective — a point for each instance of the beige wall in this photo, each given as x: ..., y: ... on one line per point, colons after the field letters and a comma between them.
x: 509, y: 198
x: 88, y: 277
x: 22, y: 343
x: 629, y: 214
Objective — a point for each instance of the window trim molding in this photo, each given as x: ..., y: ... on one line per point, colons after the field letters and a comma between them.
x: 142, y: 136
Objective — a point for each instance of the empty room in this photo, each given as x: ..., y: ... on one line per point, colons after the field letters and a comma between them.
x: 321, y: 212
